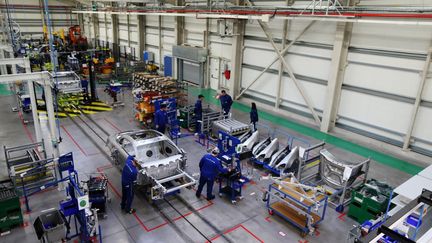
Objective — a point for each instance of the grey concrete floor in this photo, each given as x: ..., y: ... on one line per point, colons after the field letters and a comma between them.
x: 248, y: 221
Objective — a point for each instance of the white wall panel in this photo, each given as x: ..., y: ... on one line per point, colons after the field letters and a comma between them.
x: 427, y: 92
x: 423, y: 124
x: 388, y: 37
x: 381, y: 112
x: 380, y: 79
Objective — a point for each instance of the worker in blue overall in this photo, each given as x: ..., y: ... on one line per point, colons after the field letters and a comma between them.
x: 161, y: 118
x: 198, y: 114
x: 226, y: 102
x: 84, y: 86
x: 129, y: 176
x: 210, y: 167
x: 254, y: 115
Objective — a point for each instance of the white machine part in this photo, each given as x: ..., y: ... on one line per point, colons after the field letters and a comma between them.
x: 230, y: 126
x: 260, y: 146
x: 289, y: 160
x: 268, y: 151
x: 335, y: 172
x: 279, y: 156
x: 249, y: 143
x: 66, y: 82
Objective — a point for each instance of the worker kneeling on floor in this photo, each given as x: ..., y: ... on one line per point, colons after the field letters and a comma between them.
x: 129, y: 176
x: 210, y: 167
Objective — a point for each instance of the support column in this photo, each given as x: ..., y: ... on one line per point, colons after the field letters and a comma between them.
x: 206, y: 44
x: 424, y: 76
x: 81, y: 22
x: 128, y: 29
x: 234, y: 84
x: 106, y: 28
x: 115, y: 36
x: 160, y: 42
x: 337, y: 73
x: 33, y: 102
x: 51, y: 118
x: 3, y: 68
x: 179, y: 37
x: 141, y: 35
x: 95, y: 19
x: 281, y: 67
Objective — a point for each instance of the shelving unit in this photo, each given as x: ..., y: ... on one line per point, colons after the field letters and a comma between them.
x: 148, y: 88
x: 300, y: 205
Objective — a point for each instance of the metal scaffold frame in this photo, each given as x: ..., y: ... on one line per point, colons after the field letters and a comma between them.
x: 323, y: 6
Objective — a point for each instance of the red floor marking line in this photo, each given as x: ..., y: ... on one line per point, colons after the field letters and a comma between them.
x: 233, y: 229
x: 209, y: 203
x: 25, y: 127
x: 73, y: 140
x: 250, y: 232
x: 113, y: 125
x: 102, y: 168
x: 341, y: 216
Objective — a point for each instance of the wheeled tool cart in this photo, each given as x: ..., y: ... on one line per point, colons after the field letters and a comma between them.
x: 301, y: 205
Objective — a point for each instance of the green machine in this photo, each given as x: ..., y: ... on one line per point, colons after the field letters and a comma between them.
x: 369, y: 201
x: 10, y: 209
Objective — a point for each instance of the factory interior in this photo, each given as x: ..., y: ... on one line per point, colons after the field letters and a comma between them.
x: 299, y: 121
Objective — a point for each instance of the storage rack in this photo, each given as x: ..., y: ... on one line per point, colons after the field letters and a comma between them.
x: 300, y: 205
x: 147, y: 88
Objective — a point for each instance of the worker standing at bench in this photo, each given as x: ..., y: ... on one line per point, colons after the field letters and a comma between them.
x: 129, y: 176
x: 226, y: 102
x: 210, y: 167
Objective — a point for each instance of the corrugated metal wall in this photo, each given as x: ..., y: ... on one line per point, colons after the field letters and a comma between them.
x: 380, y: 83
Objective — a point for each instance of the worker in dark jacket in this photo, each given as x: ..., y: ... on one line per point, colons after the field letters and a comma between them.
x: 254, y: 115
x: 210, y: 167
x: 198, y: 114
x: 129, y: 176
x: 161, y: 118
x: 226, y: 102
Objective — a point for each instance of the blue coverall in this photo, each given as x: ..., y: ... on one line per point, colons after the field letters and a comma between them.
x: 226, y: 102
x: 129, y: 176
x: 84, y: 85
x: 210, y: 167
x: 161, y: 120
x: 254, y: 117
x: 198, y: 115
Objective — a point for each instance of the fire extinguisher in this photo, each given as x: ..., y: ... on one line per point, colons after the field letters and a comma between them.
x: 227, y: 73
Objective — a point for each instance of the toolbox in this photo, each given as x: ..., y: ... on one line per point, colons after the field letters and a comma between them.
x: 98, y: 193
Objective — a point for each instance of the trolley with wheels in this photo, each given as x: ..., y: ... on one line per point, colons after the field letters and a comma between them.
x: 300, y: 205
x: 98, y: 193
x: 231, y: 184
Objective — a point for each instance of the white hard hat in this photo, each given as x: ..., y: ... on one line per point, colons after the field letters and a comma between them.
x: 215, y: 150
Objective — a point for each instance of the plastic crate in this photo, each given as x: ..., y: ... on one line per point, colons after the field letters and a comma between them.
x: 50, y: 226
